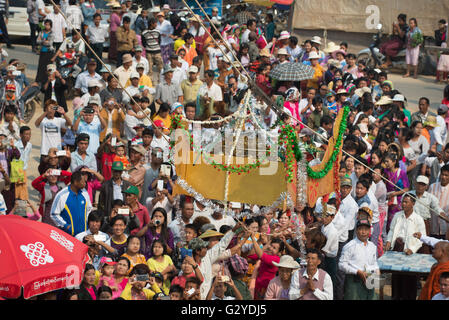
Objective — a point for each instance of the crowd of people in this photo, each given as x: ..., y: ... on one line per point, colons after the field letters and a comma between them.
x: 105, y: 175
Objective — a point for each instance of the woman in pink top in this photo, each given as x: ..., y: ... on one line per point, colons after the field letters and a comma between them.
x: 292, y: 104
x: 267, y: 270
x: 115, y: 21
x: 120, y: 278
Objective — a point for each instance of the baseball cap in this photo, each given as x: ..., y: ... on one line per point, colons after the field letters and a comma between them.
x: 134, y: 74
x: 346, y: 181
x: 140, y: 65
x: 363, y: 222
x: 138, y: 148
x: 138, y: 48
x: 168, y: 68
x: 166, y: 6
x: 422, y: 179
x: 132, y: 190
x: 107, y: 261
x: 93, y: 83
x: 91, y: 61
x: 193, y: 69
x: 442, y: 109
x: 94, y: 100
x: 51, y: 67
x: 117, y: 166
x: 103, y: 69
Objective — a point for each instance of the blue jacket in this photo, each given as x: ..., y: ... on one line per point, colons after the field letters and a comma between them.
x: 70, y: 210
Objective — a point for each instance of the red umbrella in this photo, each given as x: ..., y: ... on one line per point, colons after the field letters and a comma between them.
x: 38, y: 257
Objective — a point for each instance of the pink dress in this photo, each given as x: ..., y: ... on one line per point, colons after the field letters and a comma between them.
x: 267, y: 271
x: 116, y: 292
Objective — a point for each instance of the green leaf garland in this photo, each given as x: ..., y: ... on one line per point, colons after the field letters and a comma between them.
x: 289, y: 140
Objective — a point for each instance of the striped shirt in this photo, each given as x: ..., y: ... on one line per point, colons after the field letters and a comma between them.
x: 70, y: 210
x: 4, y: 8
x: 439, y: 226
x: 152, y: 39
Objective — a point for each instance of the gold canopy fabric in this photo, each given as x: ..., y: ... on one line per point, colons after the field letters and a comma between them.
x: 254, y: 187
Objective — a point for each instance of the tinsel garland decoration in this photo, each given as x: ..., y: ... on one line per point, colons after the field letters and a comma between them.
x: 208, y: 203
x: 328, y: 166
x: 301, y: 182
x: 199, y: 197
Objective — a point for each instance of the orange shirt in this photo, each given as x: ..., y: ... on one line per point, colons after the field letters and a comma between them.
x: 190, y: 53
x: 123, y: 160
x: 426, y: 134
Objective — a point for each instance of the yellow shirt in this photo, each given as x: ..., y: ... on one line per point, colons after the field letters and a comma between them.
x: 319, y: 72
x: 143, y: 81
x: 156, y: 266
x: 166, y: 121
x: 180, y: 42
x: 149, y: 293
x: 190, y: 90
x: 138, y: 259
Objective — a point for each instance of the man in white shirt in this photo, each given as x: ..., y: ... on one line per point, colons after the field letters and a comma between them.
x: 139, y: 58
x: 132, y: 121
x: 179, y: 74
x: 134, y: 88
x: 74, y: 16
x: 24, y: 145
x: 218, y: 219
x: 427, y: 203
x: 51, y: 127
x: 358, y: 261
x: 83, y: 78
x: 59, y: 26
x: 251, y: 26
x: 96, y: 35
x: 177, y: 226
x: 440, y: 132
x: 94, y: 224
x: 440, y: 189
x: 160, y: 140
x: 400, y: 237
x: 311, y: 283
x: 201, y: 211
x: 210, y: 90
x: 331, y: 248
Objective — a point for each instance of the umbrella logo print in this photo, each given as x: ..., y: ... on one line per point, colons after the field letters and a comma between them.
x: 37, y: 254
x: 62, y: 240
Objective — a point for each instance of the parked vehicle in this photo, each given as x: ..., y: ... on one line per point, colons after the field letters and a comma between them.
x: 374, y: 58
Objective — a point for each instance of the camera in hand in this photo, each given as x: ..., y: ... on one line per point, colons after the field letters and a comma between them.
x: 157, y: 222
x: 142, y: 277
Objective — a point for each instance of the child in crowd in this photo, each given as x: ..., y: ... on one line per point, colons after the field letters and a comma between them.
x: 107, y: 270
x: 120, y: 155
x: 161, y: 262
x: 189, y: 268
x: 132, y: 252
x: 331, y: 104
x: 139, y: 133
